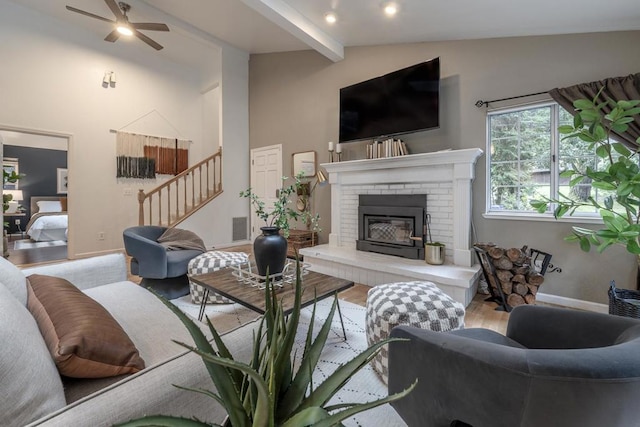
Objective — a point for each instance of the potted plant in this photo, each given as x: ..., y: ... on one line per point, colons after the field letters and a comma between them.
x: 270, y: 248
x: 266, y: 392
x: 617, y: 177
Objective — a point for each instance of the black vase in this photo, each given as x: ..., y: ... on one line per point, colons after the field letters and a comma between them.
x: 270, y: 250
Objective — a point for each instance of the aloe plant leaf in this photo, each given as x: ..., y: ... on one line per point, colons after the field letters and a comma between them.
x: 165, y: 421
x: 356, y: 409
x: 283, y: 360
x: 307, y: 417
x: 221, y: 377
x: 340, y: 376
x: 208, y: 393
x: 262, y: 415
x: 223, y: 351
x: 296, y: 392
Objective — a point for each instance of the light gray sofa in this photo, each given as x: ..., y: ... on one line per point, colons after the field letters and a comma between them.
x: 32, y: 394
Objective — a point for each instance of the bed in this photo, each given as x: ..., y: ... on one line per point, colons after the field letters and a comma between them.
x: 49, y: 219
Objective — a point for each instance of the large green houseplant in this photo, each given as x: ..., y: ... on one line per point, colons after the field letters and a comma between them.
x: 617, y: 178
x: 266, y: 392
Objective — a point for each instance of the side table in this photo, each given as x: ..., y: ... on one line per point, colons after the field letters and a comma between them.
x: 12, y: 215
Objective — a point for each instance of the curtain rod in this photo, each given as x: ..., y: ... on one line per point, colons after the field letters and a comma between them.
x: 480, y: 103
x: 153, y: 136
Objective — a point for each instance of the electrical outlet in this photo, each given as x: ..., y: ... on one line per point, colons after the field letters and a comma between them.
x: 127, y: 191
x: 101, y: 235
x: 17, y: 221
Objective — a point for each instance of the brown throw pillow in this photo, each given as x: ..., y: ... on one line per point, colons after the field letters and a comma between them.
x: 84, y: 340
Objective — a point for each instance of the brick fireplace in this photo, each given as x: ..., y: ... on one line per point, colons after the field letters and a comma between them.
x: 445, y: 178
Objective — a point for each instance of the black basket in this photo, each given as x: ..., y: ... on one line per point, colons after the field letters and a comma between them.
x: 624, y: 302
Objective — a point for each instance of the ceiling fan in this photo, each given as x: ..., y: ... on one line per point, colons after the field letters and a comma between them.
x: 122, y: 24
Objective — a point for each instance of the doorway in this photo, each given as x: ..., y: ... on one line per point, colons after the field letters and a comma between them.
x: 266, y: 180
x: 42, y: 160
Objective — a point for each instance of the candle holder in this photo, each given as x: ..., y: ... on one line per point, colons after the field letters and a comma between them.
x: 330, y: 156
x: 339, y: 156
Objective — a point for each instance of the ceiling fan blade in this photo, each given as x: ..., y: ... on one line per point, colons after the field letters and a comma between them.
x: 91, y: 15
x: 152, y: 26
x: 115, y: 9
x: 147, y: 40
x: 112, y: 36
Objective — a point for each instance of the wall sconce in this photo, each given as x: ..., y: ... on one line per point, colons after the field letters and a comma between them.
x: 109, y: 79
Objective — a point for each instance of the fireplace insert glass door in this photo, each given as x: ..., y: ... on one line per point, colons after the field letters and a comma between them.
x: 386, y: 223
x: 396, y: 231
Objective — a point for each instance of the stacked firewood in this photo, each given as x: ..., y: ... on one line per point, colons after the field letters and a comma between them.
x: 515, y: 275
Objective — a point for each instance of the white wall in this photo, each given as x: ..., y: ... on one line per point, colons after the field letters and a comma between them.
x: 295, y: 101
x: 51, y: 79
x: 215, y: 220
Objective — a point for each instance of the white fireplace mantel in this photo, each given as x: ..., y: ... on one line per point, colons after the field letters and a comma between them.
x: 453, y: 169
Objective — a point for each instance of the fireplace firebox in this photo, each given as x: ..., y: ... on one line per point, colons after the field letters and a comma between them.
x: 386, y: 224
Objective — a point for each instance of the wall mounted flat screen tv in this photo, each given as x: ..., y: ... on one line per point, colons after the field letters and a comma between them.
x: 400, y: 102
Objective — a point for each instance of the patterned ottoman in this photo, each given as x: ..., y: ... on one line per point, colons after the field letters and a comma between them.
x: 420, y: 304
x: 209, y: 262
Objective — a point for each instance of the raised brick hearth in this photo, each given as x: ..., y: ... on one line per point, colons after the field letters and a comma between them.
x: 445, y: 177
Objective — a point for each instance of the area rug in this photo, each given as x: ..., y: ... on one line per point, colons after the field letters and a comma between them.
x: 28, y: 244
x: 365, y: 386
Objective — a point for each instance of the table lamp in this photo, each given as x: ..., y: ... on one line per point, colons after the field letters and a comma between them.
x: 16, y: 196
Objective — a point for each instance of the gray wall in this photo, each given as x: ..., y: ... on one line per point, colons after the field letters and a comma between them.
x: 40, y: 168
x: 294, y: 101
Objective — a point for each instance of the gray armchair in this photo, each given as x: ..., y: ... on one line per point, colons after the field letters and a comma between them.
x: 163, y: 270
x: 554, y: 367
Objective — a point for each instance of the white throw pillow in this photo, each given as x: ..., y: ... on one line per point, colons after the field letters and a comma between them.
x: 31, y: 387
x: 13, y: 279
x: 49, y: 206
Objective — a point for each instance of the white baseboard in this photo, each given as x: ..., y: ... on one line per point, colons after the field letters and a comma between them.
x: 95, y: 253
x: 573, y: 303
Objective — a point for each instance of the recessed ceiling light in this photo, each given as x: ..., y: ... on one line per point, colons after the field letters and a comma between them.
x: 390, y: 9
x: 330, y: 18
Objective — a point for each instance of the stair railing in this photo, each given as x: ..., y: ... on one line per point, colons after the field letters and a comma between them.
x: 177, y: 199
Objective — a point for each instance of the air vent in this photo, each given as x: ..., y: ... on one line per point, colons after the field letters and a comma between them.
x: 240, y: 229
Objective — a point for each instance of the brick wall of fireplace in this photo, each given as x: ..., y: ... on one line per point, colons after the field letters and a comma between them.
x: 446, y: 177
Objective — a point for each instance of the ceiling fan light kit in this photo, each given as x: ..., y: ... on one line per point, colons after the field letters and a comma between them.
x: 121, y: 23
x: 124, y: 30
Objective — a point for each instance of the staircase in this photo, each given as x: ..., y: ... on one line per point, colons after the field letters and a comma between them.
x: 177, y: 199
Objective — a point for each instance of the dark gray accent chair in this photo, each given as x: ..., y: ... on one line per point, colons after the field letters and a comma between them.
x: 162, y: 270
x: 554, y: 367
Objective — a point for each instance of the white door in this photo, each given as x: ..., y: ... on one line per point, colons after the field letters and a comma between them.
x: 266, y: 180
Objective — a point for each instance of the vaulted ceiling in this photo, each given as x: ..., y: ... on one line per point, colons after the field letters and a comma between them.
x: 262, y: 26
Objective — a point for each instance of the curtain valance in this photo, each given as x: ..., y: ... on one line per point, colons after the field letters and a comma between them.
x: 624, y: 88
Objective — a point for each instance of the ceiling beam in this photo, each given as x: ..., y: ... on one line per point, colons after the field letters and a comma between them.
x: 283, y: 15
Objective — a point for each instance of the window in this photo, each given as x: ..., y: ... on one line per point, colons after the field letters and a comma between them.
x: 526, y: 155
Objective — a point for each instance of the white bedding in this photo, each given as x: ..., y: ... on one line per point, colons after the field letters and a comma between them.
x: 49, y: 227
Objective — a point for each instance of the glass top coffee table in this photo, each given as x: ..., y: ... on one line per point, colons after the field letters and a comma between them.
x: 315, y: 287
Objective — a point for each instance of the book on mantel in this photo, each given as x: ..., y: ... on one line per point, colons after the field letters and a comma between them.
x: 387, y: 148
